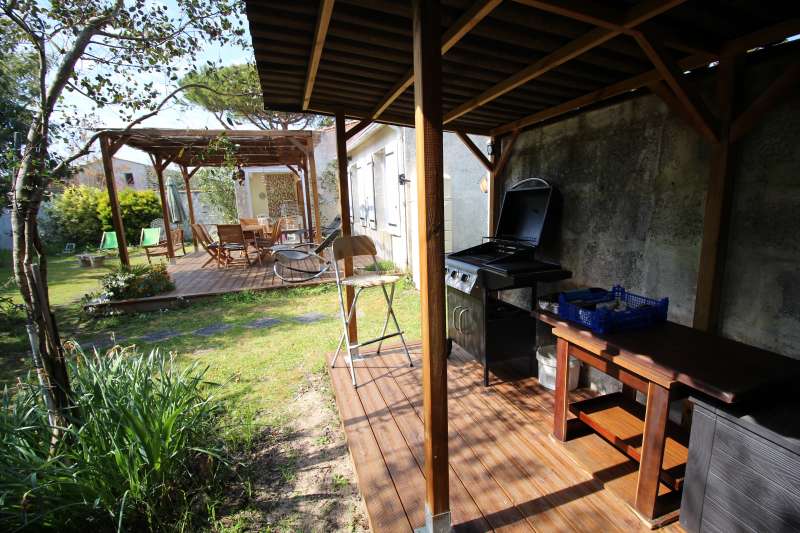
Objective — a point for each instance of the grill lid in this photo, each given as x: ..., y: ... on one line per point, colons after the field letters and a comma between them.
x: 523, y: 214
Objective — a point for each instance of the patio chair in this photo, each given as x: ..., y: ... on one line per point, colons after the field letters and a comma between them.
x: 359, y: 246
x: 109, y: 241
x: 211, y: 247
x: 265, y: 245
x: 231, y: 239
x: 299, y: 262
x: 160, y: 247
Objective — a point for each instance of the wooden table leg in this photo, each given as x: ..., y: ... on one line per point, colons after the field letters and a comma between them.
x: 655, y: 426
x: 562, y: 390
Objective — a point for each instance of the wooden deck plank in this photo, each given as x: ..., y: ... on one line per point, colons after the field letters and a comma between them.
x: 573, y: 495
x: 506, y: 471
x: 384, y: 508
x: 464, y: 510
x: 403, y: 468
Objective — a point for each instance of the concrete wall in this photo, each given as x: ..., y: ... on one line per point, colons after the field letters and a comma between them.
x: 92, y: 174
x: 634, y: 176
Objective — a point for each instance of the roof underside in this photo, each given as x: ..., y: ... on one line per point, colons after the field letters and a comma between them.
x: 367, y: 52
x: 205, y: 148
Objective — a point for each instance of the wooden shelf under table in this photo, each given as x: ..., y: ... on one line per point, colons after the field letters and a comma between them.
x: 620, y: 421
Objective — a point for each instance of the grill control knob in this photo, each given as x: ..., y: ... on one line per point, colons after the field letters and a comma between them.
x: 453, y: 274
x: 465, y: 277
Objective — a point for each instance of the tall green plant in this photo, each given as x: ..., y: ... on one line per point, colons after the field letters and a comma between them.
x: 138, y: 209
x: 148, y: 447
x: 219, y: 192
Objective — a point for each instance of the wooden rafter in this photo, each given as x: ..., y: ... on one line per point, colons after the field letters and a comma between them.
x: 498, y: 166
x: 771, y: 34
x: 599, y: 95
x: 320, y: 32
x: 596, y: 37
x: 688, y: 96
x: 719, y: 197
x: 604, y: 17
x: 477, y: 152
x: 479, y: 10
x: 780, y: 88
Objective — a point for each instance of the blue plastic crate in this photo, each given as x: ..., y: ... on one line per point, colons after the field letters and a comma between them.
x: 640, y: 312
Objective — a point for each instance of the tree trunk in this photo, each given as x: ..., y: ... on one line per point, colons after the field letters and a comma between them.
x: 30, y: 273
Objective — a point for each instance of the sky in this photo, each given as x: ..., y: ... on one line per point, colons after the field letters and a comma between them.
x: 173, y: 115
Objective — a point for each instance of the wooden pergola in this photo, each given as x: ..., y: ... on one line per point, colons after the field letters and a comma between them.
x: 191, y: 150
x: 496, y: 67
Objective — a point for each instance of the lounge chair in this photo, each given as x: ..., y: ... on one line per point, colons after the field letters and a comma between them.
x: 154, y: 246
x: 109, y: 241
x: 300, y: 262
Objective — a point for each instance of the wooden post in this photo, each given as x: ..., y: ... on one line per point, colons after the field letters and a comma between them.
x: 301, y: 201
x: 159, y: 165
x: 344, y: 208
x: 111, y: 184
x: 307, y: 200
x: 717, y: 209
x: 312, y: 167
x: 495, y: 142
x: 186, y: 177
x: 427, y: 35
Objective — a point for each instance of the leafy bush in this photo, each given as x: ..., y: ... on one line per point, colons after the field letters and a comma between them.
x: 72, y: 215
x: 138, y: 208
x: 137, y: 281
x: 148, y: 448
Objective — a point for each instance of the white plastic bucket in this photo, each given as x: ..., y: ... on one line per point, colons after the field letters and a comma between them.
x: 546, y: 356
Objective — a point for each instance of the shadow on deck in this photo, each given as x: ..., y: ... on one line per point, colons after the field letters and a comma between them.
x: 506, y: 471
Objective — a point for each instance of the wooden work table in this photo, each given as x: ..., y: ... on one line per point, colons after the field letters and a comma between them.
x: 665, y: 363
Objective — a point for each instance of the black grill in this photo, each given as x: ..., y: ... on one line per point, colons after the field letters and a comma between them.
x: 498, y: 334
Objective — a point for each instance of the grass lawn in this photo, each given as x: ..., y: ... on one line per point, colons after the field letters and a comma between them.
x: 259, y: 369
x: 270, y: 374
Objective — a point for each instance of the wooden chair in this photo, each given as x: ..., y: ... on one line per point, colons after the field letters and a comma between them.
x: 264, y: 245
x: 207, y: 243
x: 357, y: 246
x: 248, y: 221
x: 231, y: 240
x: 161, y: 248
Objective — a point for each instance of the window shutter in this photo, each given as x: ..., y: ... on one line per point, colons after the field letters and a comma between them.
x: 391, y: 188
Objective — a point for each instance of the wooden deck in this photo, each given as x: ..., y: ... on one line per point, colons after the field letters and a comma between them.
x: 192, y: 281
x: 506, y: 471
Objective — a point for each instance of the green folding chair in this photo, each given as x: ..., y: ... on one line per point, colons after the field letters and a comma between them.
x: 109, y: 241
x: 150, y: 237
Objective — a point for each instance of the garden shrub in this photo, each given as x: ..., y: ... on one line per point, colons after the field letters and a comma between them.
x: 137, y: 281
x: 72, y: 215
x: 146, y: 454
x: 138, y: 209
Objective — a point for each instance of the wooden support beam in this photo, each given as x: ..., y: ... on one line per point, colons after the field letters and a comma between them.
x: 596, y: 37
x: 312, y: 167
x: 499, y: 167
x: 430, y: 205
x: 625, y: 86
x: 299, y: 192
x: 689, y: 97
x: 320, y: 32
x: 717, y: 208
x: 357, y: 128
x: 107, y: 153
x: 605, y: 17
x: 159, y: 165
x: 764, y: 36
x: 187, y: 175
x: 344, y: 209
x: 477, y: 152
x: 492, y: 192
x: 307, y: 200
x: 778, y: 90
x: 476, y: 13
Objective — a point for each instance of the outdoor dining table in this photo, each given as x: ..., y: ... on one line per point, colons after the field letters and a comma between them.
x: 665, y: 362
x: 298, y: 232
x: 252, y: 229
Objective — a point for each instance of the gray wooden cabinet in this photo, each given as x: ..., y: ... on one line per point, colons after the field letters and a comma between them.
x: 743, y: 472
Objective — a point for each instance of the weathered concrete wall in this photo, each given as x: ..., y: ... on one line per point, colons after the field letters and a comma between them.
x: 634, y: 176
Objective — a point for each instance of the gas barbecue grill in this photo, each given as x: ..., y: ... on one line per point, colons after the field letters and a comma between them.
x: 495, y: 332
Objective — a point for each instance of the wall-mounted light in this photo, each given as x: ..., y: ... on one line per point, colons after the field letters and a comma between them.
x: 484, y: 184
